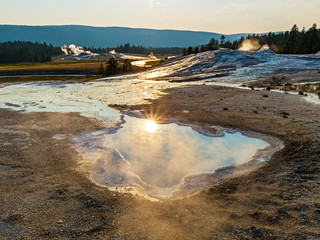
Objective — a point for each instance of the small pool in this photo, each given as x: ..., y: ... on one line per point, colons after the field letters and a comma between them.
x: 154, y: 159
x: 133, y: 154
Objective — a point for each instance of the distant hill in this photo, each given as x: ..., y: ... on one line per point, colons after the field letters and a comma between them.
x: 107, y: 36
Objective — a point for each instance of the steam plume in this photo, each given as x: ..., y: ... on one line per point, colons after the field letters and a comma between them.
x: 252, y: 45
x: 75, y: 50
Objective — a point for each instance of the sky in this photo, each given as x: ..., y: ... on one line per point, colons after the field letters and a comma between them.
x: 221, y: 16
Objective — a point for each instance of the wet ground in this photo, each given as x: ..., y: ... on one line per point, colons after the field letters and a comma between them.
x: 138, y: 155
x: 160, y: 160
x: 234, y: 67
x: 43, y: 195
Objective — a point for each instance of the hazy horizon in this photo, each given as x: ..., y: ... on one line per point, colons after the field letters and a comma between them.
x: 164, y: 29
x: 228, y: 17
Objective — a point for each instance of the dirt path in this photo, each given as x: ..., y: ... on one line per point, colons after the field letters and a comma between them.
x: 42, y: 196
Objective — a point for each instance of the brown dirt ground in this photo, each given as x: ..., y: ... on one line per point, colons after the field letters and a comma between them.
x: 42, y: 196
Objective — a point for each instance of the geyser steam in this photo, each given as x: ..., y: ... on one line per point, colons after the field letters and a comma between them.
x: 252, y: 45
x: 75, y: 50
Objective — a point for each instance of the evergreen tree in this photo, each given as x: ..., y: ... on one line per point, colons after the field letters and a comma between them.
x: 127, y: 66
x: 20, y: 51
x: 227, y: 44
x: 184, y: 52
x: 222, y: 39
x: 101, y: 70
x: 203, y: 48
x: 213, y: 44
x: 313, y: 42
x: 196, y: 50
x: 112, y: 66
x: 189, y: 50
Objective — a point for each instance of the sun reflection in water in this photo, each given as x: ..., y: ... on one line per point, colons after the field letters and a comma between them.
x: 151, y: 126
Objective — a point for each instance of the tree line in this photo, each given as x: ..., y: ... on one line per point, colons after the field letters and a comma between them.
x: 112, y: 67
x: 289, y: 42
x: 128, y: 48
x: 21, y: 51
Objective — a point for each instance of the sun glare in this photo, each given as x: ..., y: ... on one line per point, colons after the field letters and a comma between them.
x: 150, y: 126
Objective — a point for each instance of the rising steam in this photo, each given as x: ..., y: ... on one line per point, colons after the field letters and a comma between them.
x: 75, y: 50
x: 252, y: 45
